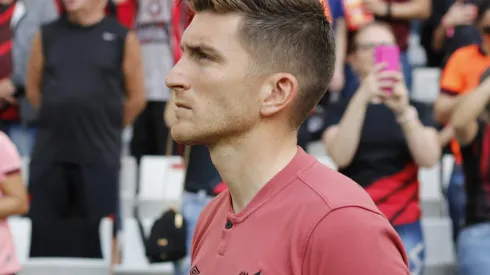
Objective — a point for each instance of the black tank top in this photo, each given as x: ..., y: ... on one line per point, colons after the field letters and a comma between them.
x: 476, y: 165
x: 81, y: 115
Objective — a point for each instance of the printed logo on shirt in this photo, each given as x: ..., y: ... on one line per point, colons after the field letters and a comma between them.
x: 246, y: 273
x: 194, y: 271
x: 155, y: 8
x: 107, y: 36
x: 153, y: 33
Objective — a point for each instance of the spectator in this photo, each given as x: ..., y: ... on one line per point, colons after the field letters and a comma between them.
x: 22, y: 19
x: 381, y: 140
x: 85, y: 76
x: 340, y: 27
x: 153, y: 25
x: 13, y: 201
x: 458, y: 78
x: 398, y: 14
x: 471, y: 120
x: 123, y: 10
x: 449, y: 28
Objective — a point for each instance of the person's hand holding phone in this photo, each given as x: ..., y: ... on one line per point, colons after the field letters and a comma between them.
x: 370, y: 89
x: 397, y: 100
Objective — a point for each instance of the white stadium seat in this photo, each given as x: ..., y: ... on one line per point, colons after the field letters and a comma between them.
x: 426, y: 86
x: 63, y: 266
x: 24, y: 169
x: 161, y: 184
x: 60, y: 266
x: 430, y: 191
x: 439, y: 248
x: 20, y: 228
x: 128, y: 177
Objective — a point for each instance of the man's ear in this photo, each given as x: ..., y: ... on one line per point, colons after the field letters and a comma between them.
x: 277, y: 93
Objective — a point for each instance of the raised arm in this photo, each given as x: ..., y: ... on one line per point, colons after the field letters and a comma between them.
x: 413, y: 9
x: 134, y: 79
x: 14, y: 200
x: 35, y: 72
x: 465, y: 117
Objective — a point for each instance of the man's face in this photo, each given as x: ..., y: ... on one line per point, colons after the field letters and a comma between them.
x: 366, y: 42
x: 215, y: 91
x: 77, y: 5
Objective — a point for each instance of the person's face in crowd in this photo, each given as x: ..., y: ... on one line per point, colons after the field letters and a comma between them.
x: 6, y: 2
x: 484, y: 26
x: 77, y: 5
x: 215, y: 89
x: 362, y: 58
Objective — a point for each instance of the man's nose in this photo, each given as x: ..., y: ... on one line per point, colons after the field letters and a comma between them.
x: 176, y: 79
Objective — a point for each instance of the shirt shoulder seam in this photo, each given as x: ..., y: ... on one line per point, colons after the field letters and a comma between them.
x: 310, y: 234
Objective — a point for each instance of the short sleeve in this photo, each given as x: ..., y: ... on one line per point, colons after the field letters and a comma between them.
x: 336, y: 8
x: 9, y: 157
x: 353, y: 241
x: 452, y: 80
x: 334, y: 112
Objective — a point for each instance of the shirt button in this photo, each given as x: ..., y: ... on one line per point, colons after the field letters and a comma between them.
x: 228, y: 224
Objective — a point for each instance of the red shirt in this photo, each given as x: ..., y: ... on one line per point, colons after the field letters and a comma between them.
x: 308, y: 220
x: 6, y: 62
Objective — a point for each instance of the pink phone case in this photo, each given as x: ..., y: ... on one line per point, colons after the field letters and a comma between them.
x: 390, y: 55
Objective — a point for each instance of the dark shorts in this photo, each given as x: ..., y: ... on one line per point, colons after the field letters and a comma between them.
x: 67, y: 203
x: 60, y: 190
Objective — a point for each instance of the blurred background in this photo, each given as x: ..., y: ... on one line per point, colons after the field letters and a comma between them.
x: 83, y: 98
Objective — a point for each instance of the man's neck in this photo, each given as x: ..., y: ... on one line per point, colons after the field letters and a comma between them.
x: 246, y: 164
x: 86, y: 18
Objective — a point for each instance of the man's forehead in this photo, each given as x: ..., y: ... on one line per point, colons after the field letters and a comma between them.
x: 211, y: 29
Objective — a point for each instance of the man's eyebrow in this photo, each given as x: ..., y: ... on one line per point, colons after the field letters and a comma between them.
x: 200, y: 47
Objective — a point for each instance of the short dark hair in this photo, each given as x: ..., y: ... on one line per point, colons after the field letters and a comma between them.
x: 293, y: 36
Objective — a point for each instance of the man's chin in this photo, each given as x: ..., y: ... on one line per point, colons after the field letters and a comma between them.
x: 186, y: 137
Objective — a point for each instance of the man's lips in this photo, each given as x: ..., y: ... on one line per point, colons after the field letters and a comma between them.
x: 182, y: 105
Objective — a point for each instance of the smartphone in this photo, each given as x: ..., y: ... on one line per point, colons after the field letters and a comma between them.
x: 390, y: 55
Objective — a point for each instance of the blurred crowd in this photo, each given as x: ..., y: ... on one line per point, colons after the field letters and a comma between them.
x: 75, y: 73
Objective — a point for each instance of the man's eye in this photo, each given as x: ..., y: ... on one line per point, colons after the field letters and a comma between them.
x: 200, y: 56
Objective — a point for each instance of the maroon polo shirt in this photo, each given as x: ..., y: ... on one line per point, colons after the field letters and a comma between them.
x: 307, y: 220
